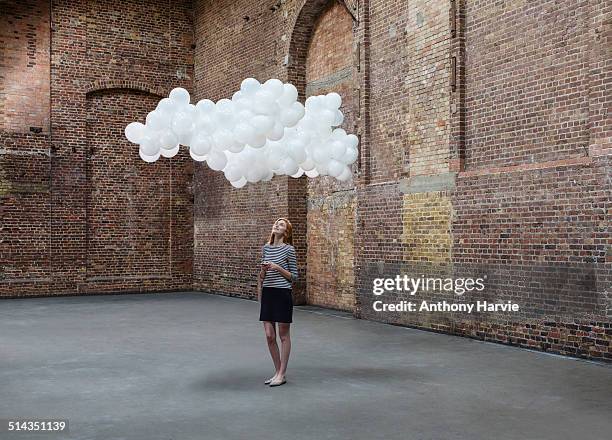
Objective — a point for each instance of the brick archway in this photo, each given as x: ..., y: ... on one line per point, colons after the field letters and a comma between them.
x: 301, y: 35
x: 100, y: 85
x: 297, y: 189
x: 320, y: 61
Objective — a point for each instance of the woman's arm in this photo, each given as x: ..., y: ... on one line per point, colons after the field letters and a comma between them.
x: 260, y: 278
x: 293, y: 265
x: 292, y: 273
x: 262, y: 274
x: 283, y: 272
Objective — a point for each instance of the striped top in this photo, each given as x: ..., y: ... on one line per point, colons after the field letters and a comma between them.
x: 284, y: 256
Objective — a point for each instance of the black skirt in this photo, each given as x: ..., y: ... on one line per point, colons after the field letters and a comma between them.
x: 276, y: 304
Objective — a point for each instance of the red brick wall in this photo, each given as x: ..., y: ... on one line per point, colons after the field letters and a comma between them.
x: 81, y: 211
x: 532, y: 204
x: 24, y: 66
x: 527, y: 97
x: 526, y: 200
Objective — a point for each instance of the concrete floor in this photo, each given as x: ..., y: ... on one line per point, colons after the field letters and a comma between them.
x: 192, y: 365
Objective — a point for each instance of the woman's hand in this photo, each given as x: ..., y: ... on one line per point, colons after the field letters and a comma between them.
x: 272, y: 266
x: 276, y: 267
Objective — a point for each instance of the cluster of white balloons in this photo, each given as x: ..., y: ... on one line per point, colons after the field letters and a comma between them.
x: 261, y: 131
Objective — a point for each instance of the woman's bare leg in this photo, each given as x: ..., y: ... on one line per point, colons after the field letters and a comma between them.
x: 272, y: 345
x: 285, y: 337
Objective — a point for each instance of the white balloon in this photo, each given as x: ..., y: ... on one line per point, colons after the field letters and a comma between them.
x: 253, y: 175
x: 182, y: 123
x: 262, y: 124
x: 292, y: 116
x: 274, y: 162
x: 321, y: 154
x: 149, y: 145
x: 244, y: 132
x: 156, y: 120
x: 258, y: 141
x: 322, y: 169
x: 338, y: 133
x: 170, y: 153
x: 277, y: 132
x: 216, y: 160
x: 305, y: 135
x: 311, y: 103
x: 185, y: 138
x: 190, y: 109
x: 269, y: 175
x: 242, y: 103
x: 239, y: 183
x: 352, y: 141
x: 333, y: 100
x: 274, y: 87
x: 166, y: 106
x: 225, y: 120
x: 232, y: 172
x: 338, y: 148
x: 236, y: 147
x: 310, y: 148
x: 206, y: 122
x: 134, y: 132
x: 327, y: 116
x: 149, y: 159
x: 180, y: 95
x: 272, y: 146
x: 308, y: 164
x: 299, y: 109
x: 223, y: 139
x: 249, y: 86
x: 345, y: 175
x: 307, y: 123
x: 288, y: 166
x: 273, y: 110
x: 289, y: 95
x: 196, y: 157
x: 335, y: 167
x: 296, y: 149
x: 225, y: 106
x: 339, y: 118
x: 323, y: 130
x: 298, y: 174
x: 201, y: 144
x: 168, y: 140
x: 312, y: 173
x: 205, y: 106
x: 245, y: 115
x: 350, y: 156
x: 264, y: 96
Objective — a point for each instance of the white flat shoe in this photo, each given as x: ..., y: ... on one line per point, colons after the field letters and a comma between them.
x: 278, y: 382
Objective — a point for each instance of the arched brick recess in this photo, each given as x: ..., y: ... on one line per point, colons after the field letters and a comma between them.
x: 321, y: 61
x: 130, y: 219
x: 100, y: 85
x: 297, y: 188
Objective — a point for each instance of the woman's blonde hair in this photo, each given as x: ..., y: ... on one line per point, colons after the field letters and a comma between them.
x: 287, y: 236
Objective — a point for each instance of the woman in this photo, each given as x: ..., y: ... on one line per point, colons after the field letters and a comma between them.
x: 278, y: 271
